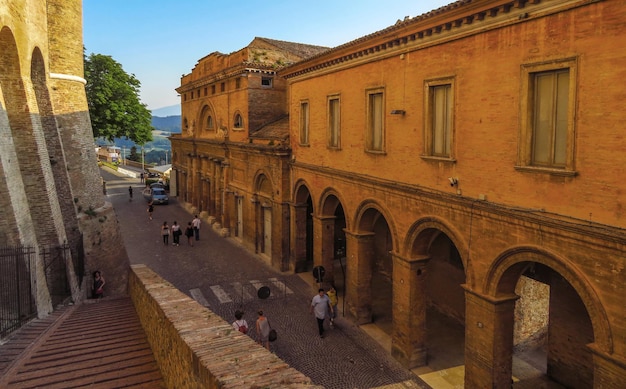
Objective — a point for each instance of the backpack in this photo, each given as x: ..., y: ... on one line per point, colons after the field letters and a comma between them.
x: 242, y: 328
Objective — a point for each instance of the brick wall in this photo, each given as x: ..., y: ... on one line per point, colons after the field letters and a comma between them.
x: 195, y: 348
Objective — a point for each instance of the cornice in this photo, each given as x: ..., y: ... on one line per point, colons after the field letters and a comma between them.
x: 233, y: 71
x: 455, y: 21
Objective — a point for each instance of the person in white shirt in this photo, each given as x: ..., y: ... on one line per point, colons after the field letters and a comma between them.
x: 321, y: 305
x: 195, y: 223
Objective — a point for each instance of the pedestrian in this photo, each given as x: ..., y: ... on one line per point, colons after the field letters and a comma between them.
x: 130, y: 193
x: 98, y: 285
x: 332, y: 297
x: 165, y: 232
x: 141, y: 177
x: 189, y: 234
x: 263, y: 330
x: 176, y: 232
x: 240, y: 324
x: 320, y: 305
x: 150, y: 209
x: 196, y: 226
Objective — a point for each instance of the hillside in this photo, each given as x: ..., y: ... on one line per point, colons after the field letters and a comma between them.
x: 169, y: 124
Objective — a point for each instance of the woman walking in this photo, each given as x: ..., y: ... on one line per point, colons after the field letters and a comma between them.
x: 165, y: 231
x: 189, y: 234
x: 263, y: 330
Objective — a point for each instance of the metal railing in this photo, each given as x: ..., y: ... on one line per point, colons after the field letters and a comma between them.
x: 17, y: 303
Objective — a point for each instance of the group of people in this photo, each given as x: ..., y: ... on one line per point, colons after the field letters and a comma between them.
x: 176, y: 231
x: 263, y: 327
x: 324, y: 305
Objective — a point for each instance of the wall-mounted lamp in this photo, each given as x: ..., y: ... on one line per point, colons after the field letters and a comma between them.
x: 398, y: 112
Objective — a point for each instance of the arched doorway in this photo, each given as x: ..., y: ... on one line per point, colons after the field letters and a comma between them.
x: 302, y: 210
x: 551, y: 328
x: 444, y: 338
x: 578, y: 326
x: 380, y: 267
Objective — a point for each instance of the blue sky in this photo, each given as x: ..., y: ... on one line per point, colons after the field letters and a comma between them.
x: 160, y: 40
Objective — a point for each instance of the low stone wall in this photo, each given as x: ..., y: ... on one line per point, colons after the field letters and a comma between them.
x: 195, y: 348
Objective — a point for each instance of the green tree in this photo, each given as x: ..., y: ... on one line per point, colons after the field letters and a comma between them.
x: 113, y: 100
x: 133, y: 155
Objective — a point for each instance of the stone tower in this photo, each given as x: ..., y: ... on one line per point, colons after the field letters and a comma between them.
x: 48, y: 166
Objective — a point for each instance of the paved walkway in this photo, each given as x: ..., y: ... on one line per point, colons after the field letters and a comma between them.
x: 224, y: 276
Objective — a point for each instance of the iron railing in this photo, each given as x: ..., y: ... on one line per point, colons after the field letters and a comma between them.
x: 17, y: 303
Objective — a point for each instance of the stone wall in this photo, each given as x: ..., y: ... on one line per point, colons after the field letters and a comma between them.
x: 195, y: 348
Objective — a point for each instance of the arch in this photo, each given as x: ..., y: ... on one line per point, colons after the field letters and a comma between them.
x: 207, y: 120
x: 238, y: 121
x: 263, y: 183
x: 365, y: 218
x: 301, y: 192
x: 509, y: 266
x: 424, y: 231
x: 329, y: 201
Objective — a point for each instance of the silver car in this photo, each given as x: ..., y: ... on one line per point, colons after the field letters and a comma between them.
x: 156, y: 194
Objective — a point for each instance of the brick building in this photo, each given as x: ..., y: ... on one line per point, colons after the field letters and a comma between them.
x: 470, y: 159
x: 50, y: 183
x: 231, y: 162
x: 466, y: 164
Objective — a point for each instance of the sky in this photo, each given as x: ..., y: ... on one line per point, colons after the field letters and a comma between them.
x: 160, y: 40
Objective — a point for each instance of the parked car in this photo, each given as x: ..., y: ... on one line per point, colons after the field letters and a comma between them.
x: 156, y: 194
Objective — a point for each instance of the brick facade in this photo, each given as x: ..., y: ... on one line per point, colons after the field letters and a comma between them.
x: 462, y: 248
x: 441, y: 195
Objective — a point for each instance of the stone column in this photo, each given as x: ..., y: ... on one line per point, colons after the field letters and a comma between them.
x: 358, y: 295
x: 298, y: 236
x: 408, y: 342
x: 607, y: 368
x: 488, y: 340
x: 323, y: 244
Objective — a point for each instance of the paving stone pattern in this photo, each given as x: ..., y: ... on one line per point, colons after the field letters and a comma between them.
x: 225, y: 276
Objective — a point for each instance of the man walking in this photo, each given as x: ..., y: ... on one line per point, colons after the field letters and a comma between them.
x: 195, y: 223
x: 320, y: 305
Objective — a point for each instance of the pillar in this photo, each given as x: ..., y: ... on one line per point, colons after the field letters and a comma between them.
x: 298, y: 237
x: 358, y: 295
x: 408, y: 341
x: 488, y: 340
x: 324, y: 246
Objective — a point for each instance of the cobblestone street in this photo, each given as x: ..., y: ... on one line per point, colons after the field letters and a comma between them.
x: 219, y: 273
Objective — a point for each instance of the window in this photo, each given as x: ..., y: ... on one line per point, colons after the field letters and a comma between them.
x: 266, y: 82
x: 375, y: 121
x: 209, y: 122
x: 237, y: 83
x: 238, y: 121
x: 222, y: 87
x: 205, y: 91
x: 334, y: 122
x: 547, y: 117
x: 439, y: 118
x: 304, y: 122
x: 212, y: 89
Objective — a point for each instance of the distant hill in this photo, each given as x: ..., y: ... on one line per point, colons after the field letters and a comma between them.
x: 172, y: 110
x: 169, y: 124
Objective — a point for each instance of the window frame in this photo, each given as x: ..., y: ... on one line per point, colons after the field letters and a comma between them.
x: 369, y: 136
x: 529, y: 74
x: 305, y: 117
x: 430, y: 87
x: 238, y: 124
x: 270, y: 82
x: 333, y: 140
